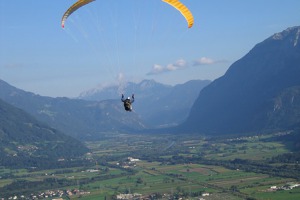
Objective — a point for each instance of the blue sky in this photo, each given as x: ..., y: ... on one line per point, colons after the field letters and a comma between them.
x: 115, y: 41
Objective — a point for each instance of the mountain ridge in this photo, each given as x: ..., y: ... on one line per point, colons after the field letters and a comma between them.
x: 91, y: 119
x: 169, y: 105
x: 75, y: 117
x: 29, y: 143
x: 239, y: 101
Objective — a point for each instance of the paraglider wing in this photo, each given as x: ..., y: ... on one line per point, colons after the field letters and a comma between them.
x: 73, y: 8
x: 183, y: 9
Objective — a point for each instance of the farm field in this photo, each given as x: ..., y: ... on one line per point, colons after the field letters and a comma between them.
x: 164, y: 167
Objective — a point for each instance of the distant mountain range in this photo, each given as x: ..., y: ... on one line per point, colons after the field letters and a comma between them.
x: 24, y: 141
x: 156, y: 105
x: 77, y: 118
x: 260, y: 92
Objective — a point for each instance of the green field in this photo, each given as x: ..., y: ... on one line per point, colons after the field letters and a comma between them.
x: 169, y: 167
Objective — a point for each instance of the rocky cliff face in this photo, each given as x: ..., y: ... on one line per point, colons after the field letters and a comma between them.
x: 242, y: 100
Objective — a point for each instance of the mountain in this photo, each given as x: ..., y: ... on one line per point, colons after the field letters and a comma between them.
x: 173, y: 108
x: 285, y: 110
x: 77, y: 118
x: 157, y: 104
x: 26, y: 142
x: 259, y: 92
x: 145, y: 89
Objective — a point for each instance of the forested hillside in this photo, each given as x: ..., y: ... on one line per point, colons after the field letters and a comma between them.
x: 26, y: 142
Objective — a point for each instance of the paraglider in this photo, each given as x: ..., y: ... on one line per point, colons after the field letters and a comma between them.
x: 127, y: 102
x: 183, y: 9
x: 73, y: 8
x: 175, y: 3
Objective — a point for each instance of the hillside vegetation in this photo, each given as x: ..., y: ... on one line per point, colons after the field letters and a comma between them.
x: 26, y: 142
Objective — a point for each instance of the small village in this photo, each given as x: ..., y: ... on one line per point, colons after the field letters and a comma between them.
x: 288, y: 186
x: 137, y: 196
x: 50, y: 194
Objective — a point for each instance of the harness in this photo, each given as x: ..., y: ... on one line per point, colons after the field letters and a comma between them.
x: 127, y: 104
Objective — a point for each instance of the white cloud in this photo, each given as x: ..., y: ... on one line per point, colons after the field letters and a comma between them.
x: 122, y: 83
x: 158, y: 69
x: 182, y: 64
x: 120, y: 77
x: 204, y: 61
